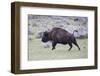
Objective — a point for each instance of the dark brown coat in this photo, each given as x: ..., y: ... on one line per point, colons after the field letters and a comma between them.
x: 61, y: 36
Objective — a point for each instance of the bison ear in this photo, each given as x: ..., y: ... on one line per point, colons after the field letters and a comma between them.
x: 46, y: 33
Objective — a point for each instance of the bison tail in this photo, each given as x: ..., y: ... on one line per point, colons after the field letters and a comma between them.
x: 75, y: 31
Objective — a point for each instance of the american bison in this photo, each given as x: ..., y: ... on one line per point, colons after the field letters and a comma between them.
x: 61, y: 36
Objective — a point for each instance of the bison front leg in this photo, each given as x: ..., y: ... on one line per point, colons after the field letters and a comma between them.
x: 53, y: 45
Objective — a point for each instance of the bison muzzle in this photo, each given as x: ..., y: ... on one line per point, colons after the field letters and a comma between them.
x: 61, y: 36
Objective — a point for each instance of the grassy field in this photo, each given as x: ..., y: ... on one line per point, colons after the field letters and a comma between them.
x: 36, y: 51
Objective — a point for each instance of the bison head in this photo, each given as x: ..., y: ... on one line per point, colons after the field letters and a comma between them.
x: 45, y: 37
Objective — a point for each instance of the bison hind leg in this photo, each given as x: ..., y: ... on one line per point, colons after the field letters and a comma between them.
x: 75, y: 43
x: 70, y: 44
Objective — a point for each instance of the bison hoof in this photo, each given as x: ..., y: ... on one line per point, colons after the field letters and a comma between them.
x: 69, y: 49
x: 53, y: 48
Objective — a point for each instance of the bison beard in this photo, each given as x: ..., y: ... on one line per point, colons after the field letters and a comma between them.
x: 61, y: 36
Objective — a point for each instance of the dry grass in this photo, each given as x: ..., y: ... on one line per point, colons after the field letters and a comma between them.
x: 36, y: 51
